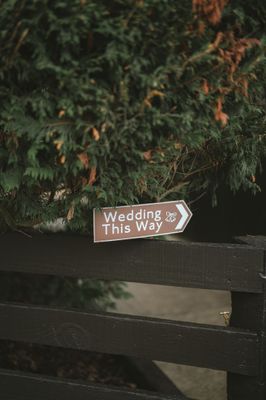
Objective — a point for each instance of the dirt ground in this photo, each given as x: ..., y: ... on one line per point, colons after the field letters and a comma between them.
x: 194, y: 305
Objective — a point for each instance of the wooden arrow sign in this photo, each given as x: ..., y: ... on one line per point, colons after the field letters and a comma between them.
x: 142, y: 220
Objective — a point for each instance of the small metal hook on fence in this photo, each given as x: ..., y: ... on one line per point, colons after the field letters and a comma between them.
x: 226, y: 315
x: 262, y: 275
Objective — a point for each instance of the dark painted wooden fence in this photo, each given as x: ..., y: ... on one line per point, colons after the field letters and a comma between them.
x: 239, y: 349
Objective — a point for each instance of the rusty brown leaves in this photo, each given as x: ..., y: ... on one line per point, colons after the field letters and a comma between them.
x: 219, y: 114
x: 84, y: 159
x: 95, y: 134
x: 210, y: 10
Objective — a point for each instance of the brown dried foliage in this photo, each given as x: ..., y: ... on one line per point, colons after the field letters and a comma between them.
x: 219, y: 114
x: 236, y: 51
x: 92, y: 177
x: 210, y: 10
x: 230, y: 50
x: 84, y: 159
x: 95, y: 134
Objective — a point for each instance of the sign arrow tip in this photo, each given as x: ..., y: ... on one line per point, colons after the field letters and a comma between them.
x: 185, y: 216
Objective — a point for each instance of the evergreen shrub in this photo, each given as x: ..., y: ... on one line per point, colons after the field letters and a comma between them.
x: 108, y: 102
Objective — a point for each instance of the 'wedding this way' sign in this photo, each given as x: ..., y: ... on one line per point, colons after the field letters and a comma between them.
x: 142, y: 220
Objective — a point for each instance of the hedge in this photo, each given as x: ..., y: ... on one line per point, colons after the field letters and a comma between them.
x: 108, y: 102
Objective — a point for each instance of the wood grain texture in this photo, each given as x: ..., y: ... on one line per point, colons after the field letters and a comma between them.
x: 22, y: 386
x: 198, y: 265
x: 249, y: 312
x: 178, y: 342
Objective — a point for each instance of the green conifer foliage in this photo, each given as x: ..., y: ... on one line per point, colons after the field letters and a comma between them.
x: 107, y: 102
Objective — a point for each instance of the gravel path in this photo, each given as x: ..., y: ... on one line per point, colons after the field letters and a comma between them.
x: 183, y: 304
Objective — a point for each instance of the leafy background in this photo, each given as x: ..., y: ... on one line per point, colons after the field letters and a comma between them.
x: 114, y: 102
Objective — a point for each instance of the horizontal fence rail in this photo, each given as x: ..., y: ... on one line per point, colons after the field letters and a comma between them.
x: 196, y: 265
x: 179, y: 342
x: 22, y: 386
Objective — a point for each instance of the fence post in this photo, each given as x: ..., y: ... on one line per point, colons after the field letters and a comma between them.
x: 249, y: 312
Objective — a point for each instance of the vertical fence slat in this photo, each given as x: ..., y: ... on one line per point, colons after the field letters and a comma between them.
x: 249, y: 312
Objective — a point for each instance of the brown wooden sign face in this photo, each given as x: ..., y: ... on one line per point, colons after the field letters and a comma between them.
x: 141, y: 220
